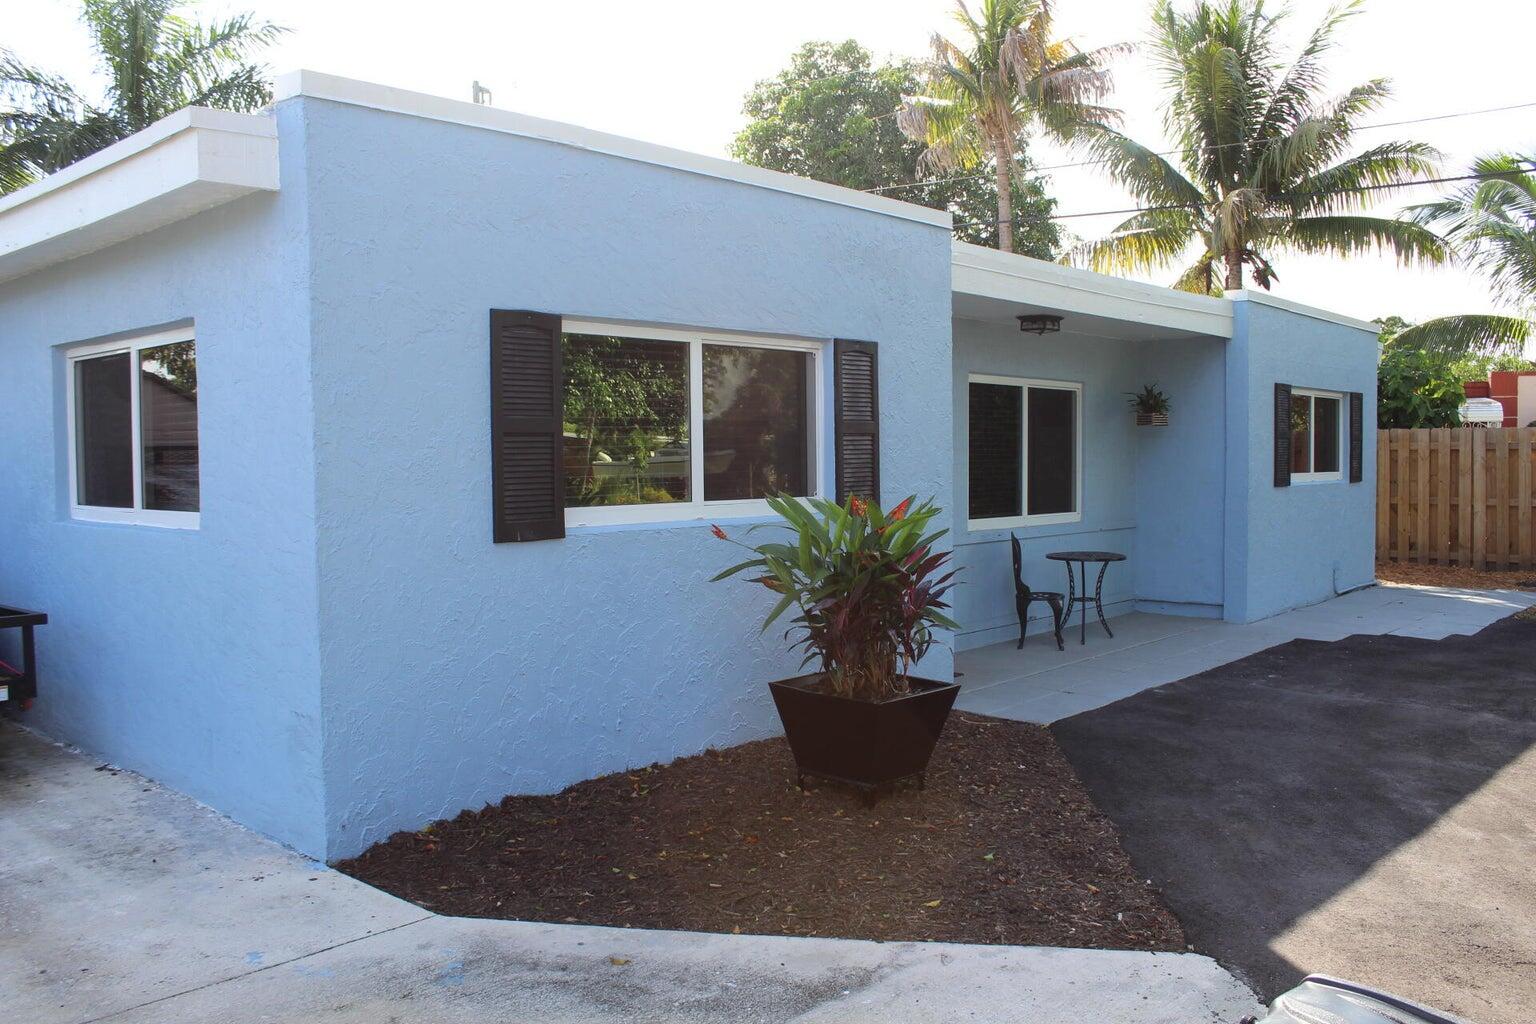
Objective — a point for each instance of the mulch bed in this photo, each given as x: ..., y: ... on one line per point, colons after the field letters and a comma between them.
x: 1004, y: 846
x: 1455, y: 576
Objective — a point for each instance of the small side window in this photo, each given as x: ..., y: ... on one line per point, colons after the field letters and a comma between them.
x: 133, y: 421
x: 1317, y: 435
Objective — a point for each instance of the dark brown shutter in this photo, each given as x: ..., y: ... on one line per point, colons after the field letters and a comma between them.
x: 1356, y: 437
x: 856, y: 380
x: 1282, y: 435
x: 527, y: 488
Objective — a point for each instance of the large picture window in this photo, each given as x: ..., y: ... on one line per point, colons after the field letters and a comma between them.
x: 133, y: 452
x: 667, y: 425
x: 1317, y: 435
x: 1025, y: 452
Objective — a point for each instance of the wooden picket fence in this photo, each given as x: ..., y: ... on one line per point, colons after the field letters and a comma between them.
x: 1457, y: 496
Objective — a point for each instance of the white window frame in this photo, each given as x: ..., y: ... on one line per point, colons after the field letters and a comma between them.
x: 1025, y: 519
x: 1342, y: 449
x: 138, y: 514
x: 697, y: 509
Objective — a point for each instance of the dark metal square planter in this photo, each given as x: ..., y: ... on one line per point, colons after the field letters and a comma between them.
x: 872, y: 746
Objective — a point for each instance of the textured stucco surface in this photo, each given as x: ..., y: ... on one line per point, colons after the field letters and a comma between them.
x: 188, y: 655
x: 1297, y: 545
x: 1180, y: 478
x: 457, y: 670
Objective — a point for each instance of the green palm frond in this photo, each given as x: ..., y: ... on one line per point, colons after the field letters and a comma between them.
x: 1264, y: 157
x: 1491, y: 224
x: 1152, y: 240
x: 1291, y: 98
x: 154, y: 61
x: 1352, y: 181
x: 1485, y: 333
x: 1147, y: 175
x: 1201, y: 277
x: 1354, y: 235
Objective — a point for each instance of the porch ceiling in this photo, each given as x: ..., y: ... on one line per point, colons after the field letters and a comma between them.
x: 996, y: 287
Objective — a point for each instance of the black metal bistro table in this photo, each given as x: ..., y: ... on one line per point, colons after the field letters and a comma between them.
x: 1073, y: 597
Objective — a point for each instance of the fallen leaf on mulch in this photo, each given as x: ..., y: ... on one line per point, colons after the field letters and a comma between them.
x: 1003, y: 846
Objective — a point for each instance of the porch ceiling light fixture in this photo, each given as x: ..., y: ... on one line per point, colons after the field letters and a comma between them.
x: 1039, y: 323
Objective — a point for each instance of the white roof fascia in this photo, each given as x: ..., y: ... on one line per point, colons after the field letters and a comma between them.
x: 185, y: 163
x: 987, y: 272
x: 1291, y: 306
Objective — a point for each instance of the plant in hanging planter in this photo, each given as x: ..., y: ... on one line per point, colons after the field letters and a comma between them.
x: 868, y: 590
x: 1151, y: 406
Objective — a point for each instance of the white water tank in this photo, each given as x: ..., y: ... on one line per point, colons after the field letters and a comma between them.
x: 1482, y: 412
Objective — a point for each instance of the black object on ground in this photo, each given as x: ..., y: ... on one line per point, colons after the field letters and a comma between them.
x: 20, y: 684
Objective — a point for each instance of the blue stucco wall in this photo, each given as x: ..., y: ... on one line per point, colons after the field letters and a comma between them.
x: 1106, y: 369
x: 457, y: 670
x: 189, y: 655
x: 1180, y: 480
x: 1298, y: 545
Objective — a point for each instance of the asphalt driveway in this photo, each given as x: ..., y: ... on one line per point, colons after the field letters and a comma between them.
x: 1364, y: 808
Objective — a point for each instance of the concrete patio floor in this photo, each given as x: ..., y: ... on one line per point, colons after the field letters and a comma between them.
x: 122, y: 901
x: 1041, y: 684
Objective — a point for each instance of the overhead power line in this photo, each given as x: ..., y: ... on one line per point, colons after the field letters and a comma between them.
x: 987, y: 222
x: 1175, y: 152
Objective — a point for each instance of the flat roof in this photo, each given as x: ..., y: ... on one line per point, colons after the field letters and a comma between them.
x: 995, y: 286
x: 184, y: 163
x: 316, y: 85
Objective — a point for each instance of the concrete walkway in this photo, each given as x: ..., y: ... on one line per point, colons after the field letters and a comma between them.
x: 122, y: 901
x: 1041, y: 684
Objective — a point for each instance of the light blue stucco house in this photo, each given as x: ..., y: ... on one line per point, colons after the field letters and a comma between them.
x: 302, y: 461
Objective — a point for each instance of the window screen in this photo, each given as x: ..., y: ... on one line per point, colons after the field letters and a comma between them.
x: 104, y: 432
x: 1052, y: 439
x: 996, y: 447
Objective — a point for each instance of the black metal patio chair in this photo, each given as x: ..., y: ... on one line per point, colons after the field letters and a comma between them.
x: 1023, y: 596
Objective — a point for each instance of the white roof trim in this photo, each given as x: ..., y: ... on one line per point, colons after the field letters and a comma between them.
x: 401, y: 101
x: 182, y: 164
x: 1291, y: 306
x: 976, y: 270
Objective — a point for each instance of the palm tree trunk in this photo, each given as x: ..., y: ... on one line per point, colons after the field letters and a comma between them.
x: 1234, y: 259
x: 1004, y: 198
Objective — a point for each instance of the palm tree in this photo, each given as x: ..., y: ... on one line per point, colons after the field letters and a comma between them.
x: 1490, y: 223
x: 155, y: 61
x: 1262, y: 164
x: 1007, y: 74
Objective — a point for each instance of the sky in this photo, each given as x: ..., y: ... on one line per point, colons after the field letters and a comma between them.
x: 675, y: 71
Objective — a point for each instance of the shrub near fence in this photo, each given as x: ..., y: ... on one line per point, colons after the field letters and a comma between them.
x: 1457, y: 496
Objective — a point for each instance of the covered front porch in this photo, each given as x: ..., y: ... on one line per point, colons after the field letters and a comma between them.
x: 1046, y: 449
x: 1041, y: 684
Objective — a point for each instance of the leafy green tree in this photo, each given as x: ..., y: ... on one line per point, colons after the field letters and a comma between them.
x: 155, y: 62
x: 1490, y: 224
x: 1415, y: 388
x: 1422, y: 387
x: 1008, y: 72
x: 1261, y: 164
x: 831, y: 115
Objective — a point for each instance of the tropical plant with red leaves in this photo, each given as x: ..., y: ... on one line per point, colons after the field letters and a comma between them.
x: 869, y: 586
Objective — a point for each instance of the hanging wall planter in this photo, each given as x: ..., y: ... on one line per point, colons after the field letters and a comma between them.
x: 1150, y: 405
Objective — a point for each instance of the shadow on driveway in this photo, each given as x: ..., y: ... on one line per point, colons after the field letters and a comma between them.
x: 1365, y: 808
